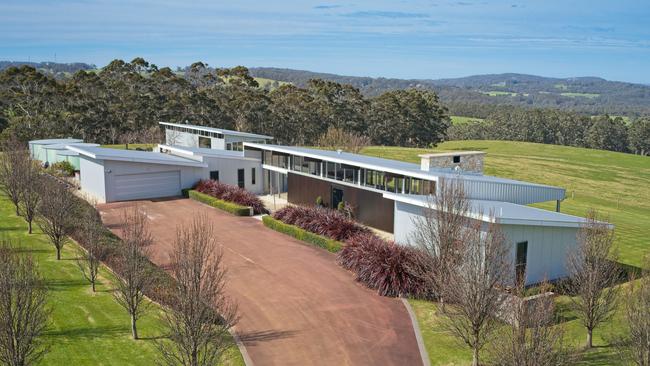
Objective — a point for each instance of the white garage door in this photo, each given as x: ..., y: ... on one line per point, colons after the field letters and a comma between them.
x: 147, y: 185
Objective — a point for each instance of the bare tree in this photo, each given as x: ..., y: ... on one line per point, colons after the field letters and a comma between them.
x: 14, y: 159
x: 30, y: 192
x: 56, y: 212
x: 202, y: 315
x: 439, y: 231
x: 337, y: 138
x: 532, y: 338
x: 172, y: 137
x: 473, y: 285
x: 95, y: 249
x: 634, y: 347
x: 134, y: 271
x: 152, y: 135
x: 593, y: 273
x: 23, y: 313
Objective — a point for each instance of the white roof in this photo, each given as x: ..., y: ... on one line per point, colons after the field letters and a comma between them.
x: 388, y: 165
x: 218, y: 130
x: 64, y: 146
x: 55, y: 141
x: 504, y: 212
x: 202, y: 151
x: 101, y: 153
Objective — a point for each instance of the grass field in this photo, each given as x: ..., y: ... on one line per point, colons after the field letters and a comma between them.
x: 581, y: 95
x: 147, y: 147
x: 614, y: 183
x: 459, y: 120
x: 85, y: 328
x: 496, y: 93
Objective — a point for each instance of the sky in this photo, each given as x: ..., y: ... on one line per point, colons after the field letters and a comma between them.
x: 401, y: 39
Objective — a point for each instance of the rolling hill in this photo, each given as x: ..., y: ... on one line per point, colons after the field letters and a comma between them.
x: 589, y: 95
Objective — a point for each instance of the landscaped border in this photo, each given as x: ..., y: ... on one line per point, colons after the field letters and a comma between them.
x: 229, y: 207
x: 330, y: 245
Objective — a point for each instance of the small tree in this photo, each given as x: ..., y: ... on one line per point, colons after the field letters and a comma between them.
x: 634, y: 347
x: 30, y: 192
x: 531, y: 338
x: 473, y: 285
x: 337, y: 138
x: 95, y: 251
x: 23, y: 314
x: 202, y: 315
x: 56, y: 213
x: 593, y: 274
x: 14, y: 159
x: 439, y: 231
x: 135, y: 274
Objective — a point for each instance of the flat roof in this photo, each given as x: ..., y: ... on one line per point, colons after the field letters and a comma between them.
x: 101, y: 153
x: 388, y: 165
x: 454, y: 153
x: 64, y: 146
x: 202, y: 150
x: 504, y: 212
x: 218, y: 130
x: 55, y: 141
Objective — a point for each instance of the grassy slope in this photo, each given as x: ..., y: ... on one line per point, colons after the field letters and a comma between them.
x: 84, y: 328
x: 616, y: 184
x: 459, y: 120
x: 131, y: 146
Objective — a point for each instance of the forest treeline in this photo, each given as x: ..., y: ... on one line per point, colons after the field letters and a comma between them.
x: 126, y: 97
x: 123, y: 99
x: 549, y: 126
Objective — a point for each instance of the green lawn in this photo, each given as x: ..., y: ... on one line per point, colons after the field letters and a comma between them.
x: 459, y: 120
x: 616, y: 184
x: 496, y: 93
x: 581, y: 95
x: 131, y: 146
x: 85, y: 328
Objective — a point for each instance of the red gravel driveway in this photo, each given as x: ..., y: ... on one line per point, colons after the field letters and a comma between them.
x: 297, y: 306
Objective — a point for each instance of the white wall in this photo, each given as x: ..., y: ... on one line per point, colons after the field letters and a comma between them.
x: 548, y: 247
x: 92, y: 178
x: 228, y: 166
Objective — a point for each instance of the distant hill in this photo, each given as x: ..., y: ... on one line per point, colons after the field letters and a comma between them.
x: 53, y: 68
x: 590, y: 95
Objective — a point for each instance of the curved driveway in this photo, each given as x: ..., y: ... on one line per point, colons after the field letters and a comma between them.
x: 297, y: 306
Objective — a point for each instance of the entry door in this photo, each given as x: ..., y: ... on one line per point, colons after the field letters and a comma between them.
x: 520, y: 264
x: 337, y: 197
x: 241, y: 178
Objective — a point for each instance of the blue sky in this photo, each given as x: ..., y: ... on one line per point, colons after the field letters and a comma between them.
x: 404, y: 39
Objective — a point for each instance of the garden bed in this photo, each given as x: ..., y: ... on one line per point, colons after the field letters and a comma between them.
x: 229, y: 207
x: 232, y: 195
x: 328, y: 244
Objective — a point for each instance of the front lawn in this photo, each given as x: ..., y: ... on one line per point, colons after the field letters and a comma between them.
x: 85, y: 328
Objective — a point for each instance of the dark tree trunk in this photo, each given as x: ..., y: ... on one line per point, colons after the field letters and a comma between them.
x: 134, y: 329
x: 58, y: 254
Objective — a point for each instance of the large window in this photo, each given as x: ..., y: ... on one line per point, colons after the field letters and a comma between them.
x: 205, y: 142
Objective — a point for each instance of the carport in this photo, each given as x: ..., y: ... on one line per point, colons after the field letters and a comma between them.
x: 110, y: 175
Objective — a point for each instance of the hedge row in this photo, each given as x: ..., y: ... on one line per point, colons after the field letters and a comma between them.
x: 233, y: 194
x: 330, y: 245
x: 163, y: 283
x: 233, y: 208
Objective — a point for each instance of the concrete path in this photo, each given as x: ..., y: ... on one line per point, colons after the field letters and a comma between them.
x: 297, y: 306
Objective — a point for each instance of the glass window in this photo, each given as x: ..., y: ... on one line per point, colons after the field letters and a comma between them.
x: 252, y: 175
x: 214, y: 175
x: 331, y: 170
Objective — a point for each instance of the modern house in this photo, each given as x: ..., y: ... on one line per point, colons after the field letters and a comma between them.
x: 208, y: 137
x: 385, y: 194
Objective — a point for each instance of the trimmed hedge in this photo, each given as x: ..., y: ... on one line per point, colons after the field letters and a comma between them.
x: 230, y: 207
x: 330, y: 245
x: 233, y: 194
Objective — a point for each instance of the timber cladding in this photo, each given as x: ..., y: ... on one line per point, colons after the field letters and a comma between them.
x: 370, y: 208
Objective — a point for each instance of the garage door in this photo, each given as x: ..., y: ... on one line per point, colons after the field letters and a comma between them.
x: 147, y: 185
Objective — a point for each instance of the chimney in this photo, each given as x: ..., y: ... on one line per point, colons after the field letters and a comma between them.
x: 470, y: 161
